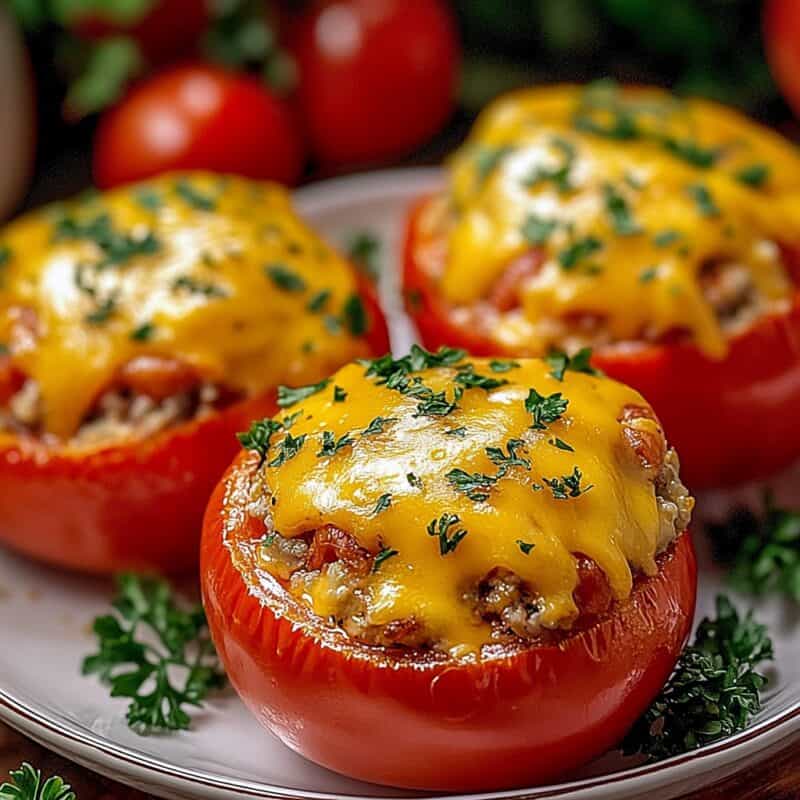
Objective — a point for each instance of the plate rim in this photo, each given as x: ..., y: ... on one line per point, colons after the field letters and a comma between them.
x: 127, y: 765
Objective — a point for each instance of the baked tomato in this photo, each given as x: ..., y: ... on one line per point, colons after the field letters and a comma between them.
x: 782, y: 39
x: 701, y: 401
x: 522, y: 716
x: 198, y: 116
x: 376, y: 79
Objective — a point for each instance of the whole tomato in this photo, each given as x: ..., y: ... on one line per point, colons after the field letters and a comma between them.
x: 376, y: 77
x: 196, y: 116
x: 166, y: 29
x: 782, y: 34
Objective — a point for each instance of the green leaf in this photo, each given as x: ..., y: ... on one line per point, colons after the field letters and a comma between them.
x: 26, y: 784
x: 288, y: 396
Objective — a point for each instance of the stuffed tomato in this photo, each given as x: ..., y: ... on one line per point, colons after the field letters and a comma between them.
x: 449, y: 573
x: 141, y: 330
x: 662, y: 233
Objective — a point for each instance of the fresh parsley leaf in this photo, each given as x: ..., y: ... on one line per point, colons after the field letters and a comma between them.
x: 691, y: 152
x: 385, y: 554
x: 355, y: 316
x: 559, y: 175
x: 384, y: 502
x: 288, y: 396
x: 26, y: 784
x: 487, y: 159
x: 143, y: 332
x: 116, y: 247
x: 318, y: 302
x: 470, y: 379
x: 284, y: 278
x: 560, y: 363
x: 377, y: 425
x: 526, y: 547
x: 459, y: 432
x: 537, y: 230
x: 619, y: 212
x: 339, y: 394
x: 713, y: 692
x: 259, y: 436
x: 755, y: 175
x: 103, y: 312
x: 5, y: 255
x: 703, y: 198
x: 762, y: 550
x: 440, y: 528
x: 363, y: 249
x: 648, y: 275
x: 194, y: 286
x: 561, y: 444
x: 288, y: 448
x: 414, y: 480
x: 579, y: 251
x: 476, y: 485
x: 502, y: 366
x: 510, y: 459
x: 193, y: 196
x: 545, y: 409
x: 148, y: 199
x: 666, y: 237
x: 129, y: 663
x: 568, y: 485
x: 331, y: 445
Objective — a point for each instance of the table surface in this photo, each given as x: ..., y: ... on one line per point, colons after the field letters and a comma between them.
x: 776, y: 779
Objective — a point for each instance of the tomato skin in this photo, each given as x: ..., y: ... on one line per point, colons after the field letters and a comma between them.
x: 731, y: 420
x: 520, y: 718
x: 782, y: 39
x: 169, y: 29
x: 132, y: 506
x: 196, y: 116
x: 376, y: 77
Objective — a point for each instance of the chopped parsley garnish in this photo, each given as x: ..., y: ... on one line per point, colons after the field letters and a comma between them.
x: 459, y: 432
x: 568, y: 485
x: 559, y: 175
x: 5, y: 255
x: 526, y: 547
x: 284, y: 278
x: 331, y: 445
x: 193, y: 286
x: 414, y: 480
x: 560, y: 363
x: 318, y: 302
x: 756, y: 175
x: 713, y: 692
x: 487, y: 159
x: 545, y: 409
x: 363, y: 249
x: 355, y: 316
x: 470, y: 379
x: 561, y: 444
x: 377, y: 425
x: 691, y: 152
x: 619, y: 213
x: 26, y: 784
x: 259, y: 436
x: 762, y: 550
x: 435, y: 404
x: 579, y: 251
x: 667, y: 237
x: 152, y: 640
x: 648, y: 274
x: 506, y: 460
x: 288, y: 396
x: 289, y: 447
x: 194, y: 197
x: 703, y: 198
x: 441, y: 529
x: 384, y: 502
x: 537, y: 230
x: 476, y: 485
x: 502, y: 366
x: 385, y: 554
x: 339, y: 394
x: 143, y: 332
x: 102, y: 312
x: 148, y: 199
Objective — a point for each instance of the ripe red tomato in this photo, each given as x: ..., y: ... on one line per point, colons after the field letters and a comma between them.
x: 376, y: 77
x: 759, y: 378
x: 523, y: 715
x: 196, y: 116
x: 168, y: 29
x: 782, y: 34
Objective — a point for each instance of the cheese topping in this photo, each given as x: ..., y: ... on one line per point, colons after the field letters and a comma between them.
x: 447, y: 472
x: 217, y: 272
x: 628, y: 194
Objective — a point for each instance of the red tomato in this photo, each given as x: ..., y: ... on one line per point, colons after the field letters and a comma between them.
x: 131, y: 506
x: 782, y: 34
x: 197, y: 116
x: 168, y: 29
x: 377, y: 77
x: 701, y: 402
x: 523, y: 715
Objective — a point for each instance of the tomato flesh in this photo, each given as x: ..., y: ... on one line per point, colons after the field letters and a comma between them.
x: 731, y: 420
x: 525, y: 715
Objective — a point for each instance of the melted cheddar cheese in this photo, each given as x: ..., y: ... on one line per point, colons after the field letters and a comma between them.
x: 628, y: 194
x: 217, y: 272
x: 381, y: 462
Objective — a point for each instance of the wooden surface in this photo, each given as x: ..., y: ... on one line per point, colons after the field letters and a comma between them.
x: 776, y: 779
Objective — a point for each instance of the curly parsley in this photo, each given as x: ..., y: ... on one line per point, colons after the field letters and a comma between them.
x: 26, y: 784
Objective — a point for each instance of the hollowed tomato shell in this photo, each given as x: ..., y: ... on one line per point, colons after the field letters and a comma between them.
x: 133, y: 506
x: 732, y: 420
x: 519, y: 717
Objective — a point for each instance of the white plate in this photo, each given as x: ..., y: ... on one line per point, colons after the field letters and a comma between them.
x: 45, y: 618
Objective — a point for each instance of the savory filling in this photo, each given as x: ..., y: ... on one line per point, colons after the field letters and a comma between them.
x: 509, y: 542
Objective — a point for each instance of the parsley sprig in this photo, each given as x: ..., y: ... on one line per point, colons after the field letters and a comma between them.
x: 26, y: 784
x: 156, y: 652
x: 560, y: 363
x: 440, y: 528
x: 714, y: 690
